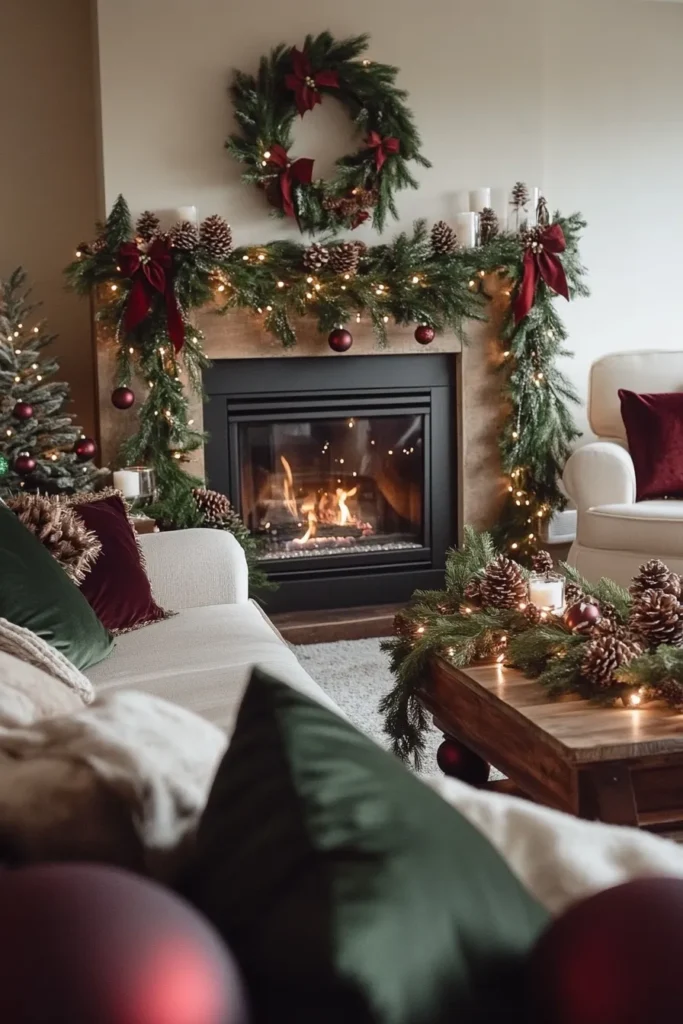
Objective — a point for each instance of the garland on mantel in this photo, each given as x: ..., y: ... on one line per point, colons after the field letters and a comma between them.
x: 151, y: 281
x: 610, y: 645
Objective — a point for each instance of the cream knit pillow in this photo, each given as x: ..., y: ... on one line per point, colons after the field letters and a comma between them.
x: 28, y: 694
x: 28, y: 647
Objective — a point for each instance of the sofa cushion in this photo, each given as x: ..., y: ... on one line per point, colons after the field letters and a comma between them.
x: 202, y: 659
x: 28, y: 694
x: 347, y: 889
x: 30, y: 648
x: 652, y: 527
x: 654, y: 427
x: 36, y: 593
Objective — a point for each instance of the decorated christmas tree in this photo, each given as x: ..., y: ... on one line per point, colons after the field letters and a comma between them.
x: 41, y: 449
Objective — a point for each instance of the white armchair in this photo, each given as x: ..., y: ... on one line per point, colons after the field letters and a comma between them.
x: 615, y: 533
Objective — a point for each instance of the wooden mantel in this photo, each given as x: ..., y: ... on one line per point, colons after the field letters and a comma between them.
x: 240, y: 335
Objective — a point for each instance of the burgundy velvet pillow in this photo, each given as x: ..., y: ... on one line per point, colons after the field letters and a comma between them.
x: 654, y: 428
x: 117, y: 587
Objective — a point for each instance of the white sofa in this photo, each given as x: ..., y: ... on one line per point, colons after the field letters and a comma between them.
x: 202, y: 657
x: 616, y: 533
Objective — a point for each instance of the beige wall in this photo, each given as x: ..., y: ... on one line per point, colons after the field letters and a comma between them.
x: 48, y: 180
x: 580, y: 96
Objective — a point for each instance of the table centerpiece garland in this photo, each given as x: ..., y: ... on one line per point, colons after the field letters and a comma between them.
x: 609, y: 645
x: 148, y: 283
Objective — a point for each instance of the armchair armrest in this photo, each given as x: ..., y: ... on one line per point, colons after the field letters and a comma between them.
x: 192, y: 568
x: 600, y: 474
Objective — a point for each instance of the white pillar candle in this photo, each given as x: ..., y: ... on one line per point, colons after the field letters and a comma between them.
x: 466, y: 229
x: 462, y: 201
x: 480, y: 199
x: 128, y: 482
x: 186, y: 213
x: 547, y: 593
x: 532, y: 215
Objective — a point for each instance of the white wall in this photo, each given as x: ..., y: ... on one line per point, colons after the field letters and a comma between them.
x: 580, y: 96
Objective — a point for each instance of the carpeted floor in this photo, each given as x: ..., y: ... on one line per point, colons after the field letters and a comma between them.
x: 356, y: 675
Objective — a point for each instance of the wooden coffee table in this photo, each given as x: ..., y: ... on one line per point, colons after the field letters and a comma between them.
x: 617, y: 765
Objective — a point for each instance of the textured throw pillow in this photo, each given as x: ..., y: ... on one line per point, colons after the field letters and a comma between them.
x: 349, y: 890
x: 61, y: 531
x: 117, y: 587
x: 654, y: 429
x: 25, y: 645
x: 36, y: 593
x: 27, y: 694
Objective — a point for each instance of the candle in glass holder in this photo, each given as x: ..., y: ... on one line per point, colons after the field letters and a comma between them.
x: 128, y: 482
x: 466, y: 229
x: 546, y: 591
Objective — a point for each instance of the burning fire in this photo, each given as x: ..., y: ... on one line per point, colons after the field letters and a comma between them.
x: 327, y: 508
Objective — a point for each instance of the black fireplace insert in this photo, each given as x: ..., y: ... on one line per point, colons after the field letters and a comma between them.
x: 342, y: 468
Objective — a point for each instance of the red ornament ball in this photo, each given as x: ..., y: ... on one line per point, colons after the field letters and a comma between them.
x: 85, y: 448
x: 24, y: 463
x: 84, y: 943
x: 613, y: 958
x: 340, y: 340
x: 22, y: 411
x: 425, y: 334
x: 582, y: 615
x: 123, y: 398
x: 459, y: 762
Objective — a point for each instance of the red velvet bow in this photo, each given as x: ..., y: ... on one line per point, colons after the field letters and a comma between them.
x: 151, y: 272
x: 300, y: 172
x: 359, y: 218
x: 382, y: 147
x: 305, y: 83
x: 542, y: 262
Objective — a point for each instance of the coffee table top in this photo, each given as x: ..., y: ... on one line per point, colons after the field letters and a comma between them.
x: 577, y: 730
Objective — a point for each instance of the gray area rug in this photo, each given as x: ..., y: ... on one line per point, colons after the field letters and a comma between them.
x: 356, y: 675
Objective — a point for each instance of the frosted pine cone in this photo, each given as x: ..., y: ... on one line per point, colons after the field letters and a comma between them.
x: 520, y: 195
x: 215, y: 507
x: 184, y: 236
x: 147, y: 225
x: 472, y: 592
x: 444, y: 239
x: 655, y: 575
x: 216, y: 237
x: 489, y: 226
x: 543, y: 562
x: 604, y: 656
x: 503, y: 585
x: 672, y: 692
x: 534, y: 615
x: 657, y: 617
x: 316, y: 257
x: 573, y: 594
x: 344, y: 258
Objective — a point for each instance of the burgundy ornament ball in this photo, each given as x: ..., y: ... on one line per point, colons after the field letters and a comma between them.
x: 424, y: 334
x: 22, y: 411
x: 459, y: 762
x: 340, y: 340
x: 123, y: 398
x: 613, y: 958
x: 24, y: 463
x: 85, y: 448
x: 84, y: 943
x: 582, y: 615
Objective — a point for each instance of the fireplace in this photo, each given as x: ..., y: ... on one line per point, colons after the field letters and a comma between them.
x: 344, y: 471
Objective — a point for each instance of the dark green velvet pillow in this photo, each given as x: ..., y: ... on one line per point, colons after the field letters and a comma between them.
x: 348, y: 890
x: 36, y: 593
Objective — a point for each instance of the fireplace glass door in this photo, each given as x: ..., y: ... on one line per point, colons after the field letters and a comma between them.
x: 331, y: 485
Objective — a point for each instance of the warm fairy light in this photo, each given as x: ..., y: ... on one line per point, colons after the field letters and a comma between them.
x: 267, y: 154
x: 119, y: 269
x: 635, y: 699
x: 9, y: 433
x: 17, y: 351
x: 245, y: 259
x: 131, y: 350
x: 514, y: 546
x: 420, y: 629
x: 161, y: 350
x: 16, y: 334
x: 386, y: 319
x: 259, y: 309
x: 318, y: 287
x: 367, y: 63
x: 269, y: 309
x: 343, y: 287
x: 36, y: 330
x: 281, y: 284
x: 391, y: 451
x: 506, y: 355
x: 511, y: 489
x: 550, y: 334
x: 467, y: 611
x: 520, y: 494
x: 482, y: 273
x: 177, y: 455
x: 78, y: 254
x: 309, y: 295
x: 190, y: 422
x: 380, y: 287
x: 150, y: 384
x: 347, y: 277
x: 507, y: 293
x: 515, y: 435
x: 472, y: 284
x: 261, y: 257
x: 38, y: 376
x: 522, y: 606
x: 539, y: 376
x: 54, y: 458
x: 221, y: 288
x: 34, y: 366
x: 17, y: 380
x: 309, y: 280
x: 416, y: 279
x: 532, y: 536
x: 357, y: 318
x: 114, y: 287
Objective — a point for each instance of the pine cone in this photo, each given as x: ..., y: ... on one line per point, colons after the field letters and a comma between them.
x: 489, y: 226
x: 672, y: 692
x: 657, y: 617
x: 542, y: 562
x: 61, y: 530
x: 655, y: 575
x: 520, y: 195
x: 184, y: 236
x: 534, y: 615
x: 503, y: 585
x: 444, y: 239
x: 472, y: 592
x: 404, y: 626
x: 605, y: 655
x: 215, y: 507
x: 147, y: 225
x: 216, y: 237
x: 344, y: 258
x: 316, y: 257
x: 573, y: 594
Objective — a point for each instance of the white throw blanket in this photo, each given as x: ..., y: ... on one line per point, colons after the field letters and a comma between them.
x: 561, y: 859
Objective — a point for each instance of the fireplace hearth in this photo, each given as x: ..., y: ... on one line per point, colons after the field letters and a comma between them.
x: 344, y: 471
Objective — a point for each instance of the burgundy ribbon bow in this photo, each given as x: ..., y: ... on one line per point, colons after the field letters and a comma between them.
x: 305, y: 83
x: 542, y: 262
x: 300, y: 172
x: 382, y: 147
x: 359, y: 218
x: 151, y: 272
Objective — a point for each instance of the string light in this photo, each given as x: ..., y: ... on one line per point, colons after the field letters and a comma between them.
x: 515, y: 435
x: 281, y: 284
x: 221, y: 288
x: 17, y: 351
x: 309, y: 280
x: 347, y: 277
x: 38, y: 377
x: 78, y: 254
x: 20, y: 326
x: 16, y: 334
x: 114, y: 287
x: 416, y: 279
x: 267, y: 154
x: 261, y: 257
x: 357, y: 318
x: 131, y: 350
x: 34, y: 366
x: 420, y: 629
x: 36, y: 330
x: 506, y: 355
x: 9, y: 433
x: 177, y: 455
x: 269, y: 309
x: 318, y: 287
x: 309, y: 295
x: 386, y: 319
x: 17, y: 380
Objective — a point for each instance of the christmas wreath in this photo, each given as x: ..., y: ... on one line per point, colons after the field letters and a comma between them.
x: 291, y: 82
x: 609, y: 645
